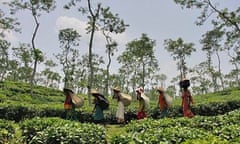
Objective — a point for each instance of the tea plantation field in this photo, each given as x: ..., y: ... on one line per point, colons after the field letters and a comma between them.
x: 40, y: 120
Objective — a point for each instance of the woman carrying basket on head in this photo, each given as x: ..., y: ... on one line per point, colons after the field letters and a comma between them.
x: 142, y: 103
x: 187, y: 99
x: 162, y: 103
x: 98, y: 115
x: 120, y: 108
x: 68, y: 104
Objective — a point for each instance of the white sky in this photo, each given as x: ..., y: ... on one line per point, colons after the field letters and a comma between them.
x: 159, y: 19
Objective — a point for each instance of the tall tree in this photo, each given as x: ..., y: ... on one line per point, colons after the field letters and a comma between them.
x: 92, y: 15
x: 180, y: 50
x: 35, y: 7
x: 230, y: 18
x: 139, y: 60
x: 96, y: 15
x: 69, y: 40
x: 226, y: 19
x: 110, y: 23
x: 232, y: 45
x: 212, y: 43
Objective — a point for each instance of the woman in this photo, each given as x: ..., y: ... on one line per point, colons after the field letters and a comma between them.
x: 162, y: 103
x: 98, y: 115
x: 187, y: 99
x: 68, y: 104
x: 141, y: 104
x: 120, y: 108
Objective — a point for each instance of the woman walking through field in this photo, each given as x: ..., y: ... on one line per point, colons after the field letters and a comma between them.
x: 142, y: 103
x: 162, y: 103
x: 120, y: 108
x: 187, y: 99
x: 98, y: 115
x: 68, y: 104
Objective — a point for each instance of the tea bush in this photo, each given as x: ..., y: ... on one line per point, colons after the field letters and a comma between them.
x: 8, y: 133
x: 59, y: 131
x: 222, y: 128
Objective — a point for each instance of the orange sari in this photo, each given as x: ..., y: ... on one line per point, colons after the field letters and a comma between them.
x: 186, y: 101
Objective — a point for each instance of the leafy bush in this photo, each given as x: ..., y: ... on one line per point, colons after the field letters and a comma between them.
x: 31, y: 127
x: 8, y: 132
x: 222, y: 129
x: 56, y: 131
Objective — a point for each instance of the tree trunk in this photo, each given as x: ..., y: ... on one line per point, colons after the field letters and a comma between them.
x: 219, y: 70
x: 90, y: 78
x: 35, y: 56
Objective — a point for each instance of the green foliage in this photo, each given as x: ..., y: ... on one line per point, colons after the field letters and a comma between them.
x: 17, y: 105
x: 206, y: 140
x: 31, y: 127
x: 56, y: 131
x: 8, y: 132
x: 222, y: 129
x: 120, y: 139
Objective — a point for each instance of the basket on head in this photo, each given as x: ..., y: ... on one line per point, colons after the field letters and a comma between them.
x: 67, y: 89
x: 116, y: 89
x: 160, y: 89
x: 184, y: 83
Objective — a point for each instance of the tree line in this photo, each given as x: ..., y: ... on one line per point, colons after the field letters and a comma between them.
x: 138, y: 63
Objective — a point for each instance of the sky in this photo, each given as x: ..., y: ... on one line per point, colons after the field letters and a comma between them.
x: 159, y: 19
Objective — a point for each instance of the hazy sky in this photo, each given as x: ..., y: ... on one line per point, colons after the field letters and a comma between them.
x: 159, y: 19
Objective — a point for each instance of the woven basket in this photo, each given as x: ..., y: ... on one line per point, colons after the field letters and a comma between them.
x: 77, y: 101
x: 126, y: 99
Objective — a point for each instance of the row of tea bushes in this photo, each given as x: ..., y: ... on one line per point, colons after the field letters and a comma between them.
x: 221, y: 129
x: 51, y: 131
x: 19, y: 111
x: 217, y: 129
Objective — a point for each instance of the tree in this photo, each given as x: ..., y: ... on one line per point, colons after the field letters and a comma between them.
x: 208, y: 9
x: 4, y: 60
x: 6, y: 24
x: 35, y: 7
x: 232, y: 46
x: 24, y: 58
x: 95, y: 17
x: 179, y: 50
x: 200, y: 78
x: 69, y: 38
x: 211, y: 43
x: 110, y: 23
x: 81, y: 74
x: 52, y: 78
x: 225, y: 19
x: 92, y: 15
x: 139, y: 61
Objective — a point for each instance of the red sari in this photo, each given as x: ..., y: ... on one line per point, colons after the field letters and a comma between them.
x: 186, y: 101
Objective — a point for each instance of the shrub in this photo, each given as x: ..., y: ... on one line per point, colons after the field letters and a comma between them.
x: 8, y: 133
x: 56, y: 131
x: 31, y: 127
